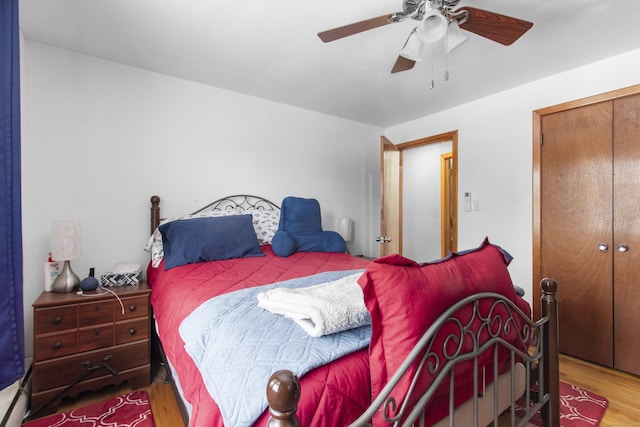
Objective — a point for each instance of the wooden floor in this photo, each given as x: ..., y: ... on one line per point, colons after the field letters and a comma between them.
x: 163, y: 403
x: 622, y: 390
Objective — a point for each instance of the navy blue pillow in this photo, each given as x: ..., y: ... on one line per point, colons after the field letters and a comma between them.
x: 300, y: 229
x: 283, y: 243
x: 195, y: 240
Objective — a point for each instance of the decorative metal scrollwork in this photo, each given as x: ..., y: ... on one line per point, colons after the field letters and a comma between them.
x: 240, y: 202
x: 473, y: 327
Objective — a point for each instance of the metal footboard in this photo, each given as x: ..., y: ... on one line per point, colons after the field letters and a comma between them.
x: 482, y: 334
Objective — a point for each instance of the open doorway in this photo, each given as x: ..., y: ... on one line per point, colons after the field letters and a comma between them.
x: 419, y: 197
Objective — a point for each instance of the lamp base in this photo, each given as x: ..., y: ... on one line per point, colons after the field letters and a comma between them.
x: 67, y: 280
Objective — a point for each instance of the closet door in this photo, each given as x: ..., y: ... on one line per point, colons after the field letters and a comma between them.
x: 626, y: 216
x: 576, y: 226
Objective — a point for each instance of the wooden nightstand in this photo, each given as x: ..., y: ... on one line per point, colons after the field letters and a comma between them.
x: 85, y: 342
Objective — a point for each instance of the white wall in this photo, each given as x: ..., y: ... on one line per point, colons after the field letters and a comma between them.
x: 100, y: 138
x: 126, y: 134
x: 494, y: 152
x: 421, y: 223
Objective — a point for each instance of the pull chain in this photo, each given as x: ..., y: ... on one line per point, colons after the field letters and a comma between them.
x: 433, y: 83
x: 446, y: 55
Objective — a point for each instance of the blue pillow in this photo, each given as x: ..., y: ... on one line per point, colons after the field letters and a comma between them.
x: 283, y: 243
x: 195, y: 240
x: 300, y: 229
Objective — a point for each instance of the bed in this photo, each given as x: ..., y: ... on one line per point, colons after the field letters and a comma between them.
x: 232, y: 363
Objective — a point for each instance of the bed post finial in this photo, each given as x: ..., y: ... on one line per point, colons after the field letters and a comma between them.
x: 155, y: 212
x: 551, y: 411
x: 283, y: 395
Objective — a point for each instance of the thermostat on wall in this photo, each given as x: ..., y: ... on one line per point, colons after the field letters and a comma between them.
x: 467, y: 201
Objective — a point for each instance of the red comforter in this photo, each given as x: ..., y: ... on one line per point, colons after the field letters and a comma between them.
x: 330, y: 396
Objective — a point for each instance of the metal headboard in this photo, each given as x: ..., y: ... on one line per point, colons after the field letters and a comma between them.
x: 242, y: 202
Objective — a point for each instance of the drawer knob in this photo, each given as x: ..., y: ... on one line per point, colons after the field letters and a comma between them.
x: 132, y: 308
x: 57, y: 319
x: 132, y: 331
x: 96, y: 308
x: 96, y: 332
x: 57, y: 345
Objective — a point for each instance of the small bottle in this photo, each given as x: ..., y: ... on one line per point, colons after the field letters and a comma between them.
x: 90, y: 283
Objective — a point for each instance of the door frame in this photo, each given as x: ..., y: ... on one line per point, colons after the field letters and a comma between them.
x: 448, y: 209
x: 537, y: 141
x: 390, y: 200
x: 396, y: 174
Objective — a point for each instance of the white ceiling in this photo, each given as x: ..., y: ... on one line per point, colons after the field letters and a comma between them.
x: 270, y: 49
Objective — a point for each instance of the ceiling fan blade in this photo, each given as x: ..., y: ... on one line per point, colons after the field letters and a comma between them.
x: 355, y: 28
x: 402, y: 64
x: 494, y: 26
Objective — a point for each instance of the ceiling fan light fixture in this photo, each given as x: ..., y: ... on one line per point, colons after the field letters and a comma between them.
x: 434, y: 26
x: 412, y: 48
x: 455, y: 36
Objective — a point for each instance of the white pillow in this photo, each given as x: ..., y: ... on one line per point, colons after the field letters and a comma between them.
x: 265, y: 223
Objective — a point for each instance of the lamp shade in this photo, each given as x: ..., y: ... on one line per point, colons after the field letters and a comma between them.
x: 434, y: 26
x: 66, y: 240
x: 455, y: 37
x: 412, y: 48
x: 345, y: 228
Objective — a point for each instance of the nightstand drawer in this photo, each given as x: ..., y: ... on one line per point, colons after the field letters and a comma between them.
x: 133, y: 307
x: 94, y: 337
x: 47, y: 320
x: 95, y: 313
x: 132, y: 330
x: 61, y: 372
x: 56, y: 346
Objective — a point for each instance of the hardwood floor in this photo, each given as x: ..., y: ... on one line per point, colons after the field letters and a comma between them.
x: 622, y: 390
x: 166, y: 412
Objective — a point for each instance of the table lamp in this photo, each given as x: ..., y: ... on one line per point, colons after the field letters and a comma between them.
x: 66, y: 244
x: 345, y: 228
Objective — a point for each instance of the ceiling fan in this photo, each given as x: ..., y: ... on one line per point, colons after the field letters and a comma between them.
x: 436, y: 17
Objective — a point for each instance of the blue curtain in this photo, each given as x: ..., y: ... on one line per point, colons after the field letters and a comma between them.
x: 11, y: 309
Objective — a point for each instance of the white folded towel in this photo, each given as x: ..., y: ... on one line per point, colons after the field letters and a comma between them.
x: 321, y: 309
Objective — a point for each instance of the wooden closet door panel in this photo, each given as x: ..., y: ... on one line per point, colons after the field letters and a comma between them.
x: 575, y: 217
x: 626, y: 284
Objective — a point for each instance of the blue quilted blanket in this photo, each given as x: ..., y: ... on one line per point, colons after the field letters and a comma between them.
x: 237, y: 345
